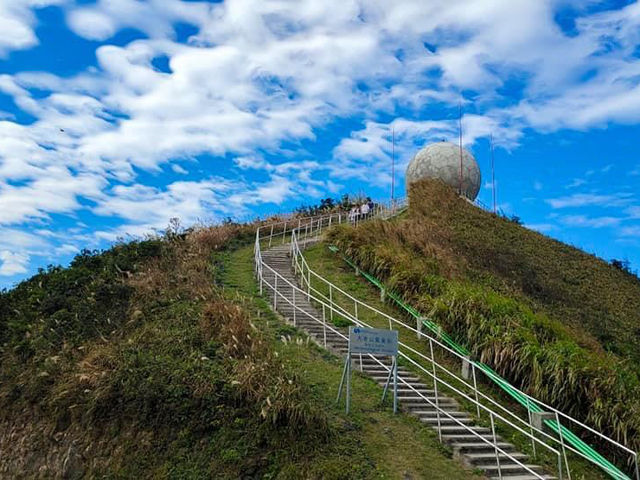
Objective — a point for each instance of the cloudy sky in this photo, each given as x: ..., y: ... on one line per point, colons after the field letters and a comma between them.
x: 116, y: 115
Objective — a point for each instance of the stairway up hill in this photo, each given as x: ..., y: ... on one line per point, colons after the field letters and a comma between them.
x: 471, y: 449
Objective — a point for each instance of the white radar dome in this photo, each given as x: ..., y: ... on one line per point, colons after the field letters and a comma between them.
x: 442, y: 161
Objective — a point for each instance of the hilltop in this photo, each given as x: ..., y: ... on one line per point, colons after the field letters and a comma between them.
x: 557, y: 322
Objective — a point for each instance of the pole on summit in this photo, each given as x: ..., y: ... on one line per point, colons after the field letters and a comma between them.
x: 393, y: 162
x: 493, y: 176
x: 460, y: 141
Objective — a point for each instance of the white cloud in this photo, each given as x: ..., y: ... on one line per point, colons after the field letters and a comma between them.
x: 541, y: 227
x: 577, y: 182
x: 17, y: 21
x: 178, y: 169
x: 153, y: 207
x: 633, y: 212
x: 591, y: 222
x: 92, y: 24
x: 154, y: 17
x: 13, y: 263
x: 55, y: 191
x: 591, y: 199
x: 631, y: 231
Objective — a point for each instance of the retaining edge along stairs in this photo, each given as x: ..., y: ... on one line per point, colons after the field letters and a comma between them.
x: 472, y: 451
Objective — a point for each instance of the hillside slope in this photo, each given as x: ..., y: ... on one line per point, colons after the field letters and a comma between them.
x: 157, y: 359
x: 557, y: 322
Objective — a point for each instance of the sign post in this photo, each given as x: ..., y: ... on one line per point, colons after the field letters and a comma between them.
x: 372, y: 341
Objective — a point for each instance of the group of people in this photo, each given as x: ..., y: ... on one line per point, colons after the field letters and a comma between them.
x: 361, y: 212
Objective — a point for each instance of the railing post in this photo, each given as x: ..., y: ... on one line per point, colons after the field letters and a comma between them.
x: 564, y: 451
x: 475, y: 388
x: 331, y: 299
x: 275, y: 291
x: 419, y: 321
x: 324, y: 326
x: 355, y: 309
x: 294, y: 305
x: 560, y: 466
x: 533, y: 443
x: 495, y: 444
x: 284, y: 232
x: 271, y: 235
x: 435, y: 389
x: 635, y: 455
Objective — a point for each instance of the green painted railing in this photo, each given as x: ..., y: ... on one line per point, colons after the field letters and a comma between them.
x: 563, y: 432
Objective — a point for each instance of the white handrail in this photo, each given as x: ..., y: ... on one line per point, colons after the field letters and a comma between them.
x: 431, y: 403
x: 463, y: 358
x: 313, y: 227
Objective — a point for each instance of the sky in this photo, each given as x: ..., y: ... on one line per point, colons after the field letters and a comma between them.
x: 118, y: 115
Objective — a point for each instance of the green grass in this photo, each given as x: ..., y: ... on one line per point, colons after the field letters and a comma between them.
x: 516, y: 300
x: 159, y: 360
x: 333, y: 268
x: 392, y: 446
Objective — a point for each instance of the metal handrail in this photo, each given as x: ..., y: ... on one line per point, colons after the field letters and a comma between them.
x: 283, y: 280
x: 560, y: 441
x: 300, y: 265
x: 313, y: 226
x: 260, y: 265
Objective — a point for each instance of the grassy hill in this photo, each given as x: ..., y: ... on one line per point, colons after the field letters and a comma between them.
x: 158, y: 359
x: 557, y: 322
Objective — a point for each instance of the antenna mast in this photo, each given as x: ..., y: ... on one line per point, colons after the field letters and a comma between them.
x: 493, y: 176
x: 460, y: 129
x: 393, y: 162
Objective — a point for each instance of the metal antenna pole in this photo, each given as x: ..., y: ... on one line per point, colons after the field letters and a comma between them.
x: 460, y: 131
x: 393, y: 162
x: 493, y: 176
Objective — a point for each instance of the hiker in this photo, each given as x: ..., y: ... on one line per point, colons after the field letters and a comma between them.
x: 364, y: 210
x: 353, y: 214
x: 370, y: 203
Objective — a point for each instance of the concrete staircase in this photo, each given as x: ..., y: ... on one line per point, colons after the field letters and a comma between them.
x: 473, y: 452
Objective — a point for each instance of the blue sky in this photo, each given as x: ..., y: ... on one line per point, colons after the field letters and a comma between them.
x: 117, y: 115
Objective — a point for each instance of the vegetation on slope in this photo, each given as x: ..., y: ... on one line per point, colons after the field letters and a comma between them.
x: 553, y: 320
x: 332, y: 267
x: 144, y: 362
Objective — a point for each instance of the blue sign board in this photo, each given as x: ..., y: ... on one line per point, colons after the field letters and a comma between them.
x: 376, y: 341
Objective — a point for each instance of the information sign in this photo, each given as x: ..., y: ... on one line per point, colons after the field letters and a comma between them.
x: 373, y: 340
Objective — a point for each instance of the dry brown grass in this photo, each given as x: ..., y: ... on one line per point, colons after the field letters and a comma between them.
x: 548, y: 317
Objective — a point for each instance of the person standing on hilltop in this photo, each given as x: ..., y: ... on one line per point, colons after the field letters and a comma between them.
x: 364, y: 210
x: 353, y: 214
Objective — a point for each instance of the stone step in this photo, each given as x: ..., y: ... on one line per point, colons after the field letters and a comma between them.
x: 509, y: 468
x: 457, y: 429
x: 445, y: 420
x: 414, y: 396
x: 489, y: 458
x: 477, y: 447
x: 527, y: 476
x: 456, y: 438
x: 433, y: 413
